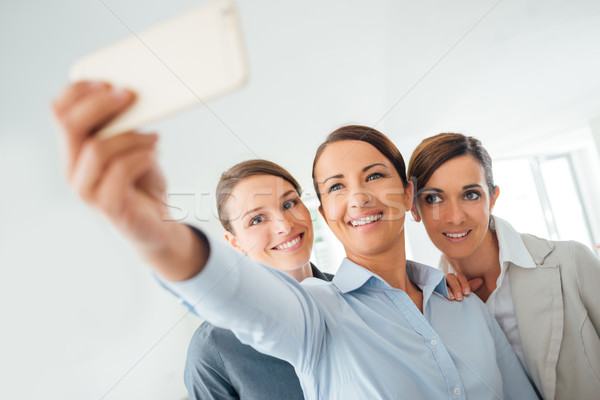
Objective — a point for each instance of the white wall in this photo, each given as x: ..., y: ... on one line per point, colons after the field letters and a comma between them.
x: 595, y: 131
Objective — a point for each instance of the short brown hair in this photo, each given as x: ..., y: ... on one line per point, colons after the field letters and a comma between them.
x: 234, y: 175
x: 368, y: 135
x: 434, y: 151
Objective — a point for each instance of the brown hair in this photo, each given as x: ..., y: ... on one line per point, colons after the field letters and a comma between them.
x: 234, y: 175
x: 432, y: 152
x: 368, y: 135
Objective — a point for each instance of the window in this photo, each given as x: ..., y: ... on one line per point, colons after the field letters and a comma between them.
x: 541, y: 195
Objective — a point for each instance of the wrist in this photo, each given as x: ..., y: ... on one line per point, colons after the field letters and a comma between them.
x: 182, y: 254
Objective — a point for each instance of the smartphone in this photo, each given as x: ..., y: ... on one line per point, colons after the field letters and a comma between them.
x: 179, y: 63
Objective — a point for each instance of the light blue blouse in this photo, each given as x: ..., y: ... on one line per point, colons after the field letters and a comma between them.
x: 359, y: 338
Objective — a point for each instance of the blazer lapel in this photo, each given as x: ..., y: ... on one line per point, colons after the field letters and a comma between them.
x: 537, y: 298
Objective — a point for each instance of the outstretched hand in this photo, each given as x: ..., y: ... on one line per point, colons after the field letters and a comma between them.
x: 120, y: 178
x: 459, y: 286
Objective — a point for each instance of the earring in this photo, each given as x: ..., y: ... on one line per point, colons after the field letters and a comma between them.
x: 492, y: 225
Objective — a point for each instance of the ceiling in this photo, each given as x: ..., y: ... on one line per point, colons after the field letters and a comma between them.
x: 500, y: 70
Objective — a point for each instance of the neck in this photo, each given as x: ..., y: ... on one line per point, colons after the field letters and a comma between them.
x: 484, y: 263
x: 302, y: 273
x: 390, y: 265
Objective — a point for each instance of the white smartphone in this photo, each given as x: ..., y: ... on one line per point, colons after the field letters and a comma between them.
x: 174, y: 65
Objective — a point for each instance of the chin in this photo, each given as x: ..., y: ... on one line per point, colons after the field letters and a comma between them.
x: 456, y: 254
x: 290, y: 264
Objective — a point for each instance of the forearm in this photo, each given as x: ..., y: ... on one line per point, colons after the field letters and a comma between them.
x: 181, y: 256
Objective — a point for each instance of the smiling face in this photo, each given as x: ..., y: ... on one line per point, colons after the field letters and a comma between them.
x: 455, y: 206
x: 363, y: 199
x: 270, y: 223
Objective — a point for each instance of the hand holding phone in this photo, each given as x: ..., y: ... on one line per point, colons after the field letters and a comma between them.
x: 182, y: 62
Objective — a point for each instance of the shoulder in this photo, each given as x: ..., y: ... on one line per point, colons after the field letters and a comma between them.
x: 208, y: 338
x: 326, y: 294
x: 204, y: 358
x: 473, y: 302
x: 539, y: 248
x: 543, y: 250
x: 472, y: 313
x: 577, y: 263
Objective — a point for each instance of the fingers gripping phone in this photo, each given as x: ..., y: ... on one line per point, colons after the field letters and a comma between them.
x: 177, y: 64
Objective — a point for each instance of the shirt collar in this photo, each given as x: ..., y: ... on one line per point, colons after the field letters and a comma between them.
x: 512, y: 248
x: 317, y: 273
x: 351, y: 276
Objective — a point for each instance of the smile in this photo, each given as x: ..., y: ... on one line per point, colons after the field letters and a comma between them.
x: 366, y: 220
x: 290, y: 243
x: 457, y: 235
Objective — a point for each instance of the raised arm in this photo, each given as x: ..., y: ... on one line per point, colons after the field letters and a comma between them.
x: 120, y: 178
x: 264, y: 307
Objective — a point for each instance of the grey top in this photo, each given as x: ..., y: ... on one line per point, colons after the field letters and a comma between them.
x: 220, y: 367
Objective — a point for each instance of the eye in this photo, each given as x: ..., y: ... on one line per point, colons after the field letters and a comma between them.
x: 432, y: 198
x: 335, y: 187
x: 375, y: 175
x: 257, y: 220
x: 473, y: 195
x: 289, y: 204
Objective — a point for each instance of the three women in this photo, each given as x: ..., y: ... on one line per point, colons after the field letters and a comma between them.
x: 382, y: 329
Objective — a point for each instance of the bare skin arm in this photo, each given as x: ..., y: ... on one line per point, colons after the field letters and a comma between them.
x: 120, y: 178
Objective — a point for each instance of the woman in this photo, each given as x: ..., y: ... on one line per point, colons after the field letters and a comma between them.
x: 381, y: 331
x: 543, y: 293
x: 277, y: 233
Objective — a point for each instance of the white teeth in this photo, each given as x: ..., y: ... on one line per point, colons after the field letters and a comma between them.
x: 366, y: 220
x: 456, y: 235
x: 289, y: 244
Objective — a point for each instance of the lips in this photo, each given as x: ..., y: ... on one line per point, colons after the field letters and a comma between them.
x: 288, y: 244
x: 456, y: 235
x: 365, y: 220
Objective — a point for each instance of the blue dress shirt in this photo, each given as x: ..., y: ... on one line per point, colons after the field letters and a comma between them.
x: 359, y: 338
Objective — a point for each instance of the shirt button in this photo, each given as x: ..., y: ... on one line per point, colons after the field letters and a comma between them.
x: 433, y: 342
x: 457, y: 391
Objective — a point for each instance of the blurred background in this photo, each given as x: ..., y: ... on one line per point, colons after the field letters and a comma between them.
x: 83, y: 318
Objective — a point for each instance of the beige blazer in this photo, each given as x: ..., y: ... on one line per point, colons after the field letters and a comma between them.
x: 557, y: 305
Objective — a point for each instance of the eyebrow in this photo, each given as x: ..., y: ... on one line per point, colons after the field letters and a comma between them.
x: 436, y: 190
x: 260, y: 208
x: 365, y: 169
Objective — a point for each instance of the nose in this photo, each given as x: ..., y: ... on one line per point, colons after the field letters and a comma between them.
x: 454, y: 213
x: 283, y: 225
x: 361, y: 199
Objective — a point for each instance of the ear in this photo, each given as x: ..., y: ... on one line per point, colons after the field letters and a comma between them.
x: 233, y: 241
x: 415, y: 212
x: 494, y: 197
x: 409, y: 191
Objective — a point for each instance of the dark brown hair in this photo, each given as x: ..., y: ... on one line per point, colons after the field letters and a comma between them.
x: 368, y: 135
x: 432, y: 152
x: 234, y: 175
